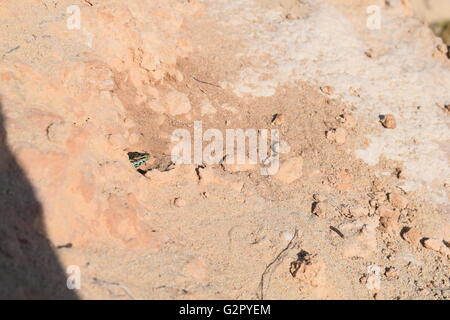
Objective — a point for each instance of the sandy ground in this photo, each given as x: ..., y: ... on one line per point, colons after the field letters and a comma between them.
x: 358, y: 210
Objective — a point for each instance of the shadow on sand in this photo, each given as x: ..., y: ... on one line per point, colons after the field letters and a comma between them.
x: 29, y: 267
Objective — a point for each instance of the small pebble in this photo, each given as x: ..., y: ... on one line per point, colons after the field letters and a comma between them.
x: 436, y: 245
x: 338, y: 135
x: 178, y: 202
x: 287, y: 235
x: 397, y: 200
x: 278, y: 119
x: 323, y: 210
x: 391, y: 273
x: 327, y: 89
x: 412, y: 235
x: 281, y: 147
x: 388, y: 121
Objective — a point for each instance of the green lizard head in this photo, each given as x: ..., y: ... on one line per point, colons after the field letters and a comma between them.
x: 138, y: 158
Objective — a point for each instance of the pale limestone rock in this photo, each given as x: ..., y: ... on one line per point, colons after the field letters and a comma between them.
x: 177, y: 103
x: 281, y: 147
x: 290, y: 170
x: 207, y: 108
